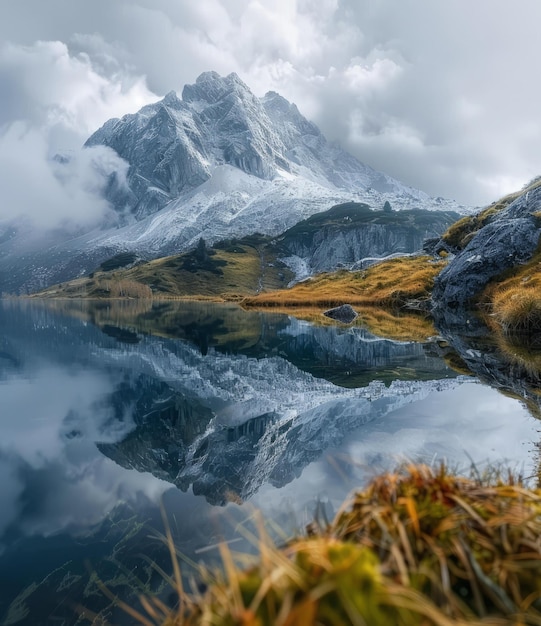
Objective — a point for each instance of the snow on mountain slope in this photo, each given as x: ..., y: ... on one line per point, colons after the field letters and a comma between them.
x: 230, y: 203
x: 308, y: 149
x: 174, y: 145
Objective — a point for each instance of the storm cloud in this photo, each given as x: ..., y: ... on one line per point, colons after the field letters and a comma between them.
x: 440, y: 95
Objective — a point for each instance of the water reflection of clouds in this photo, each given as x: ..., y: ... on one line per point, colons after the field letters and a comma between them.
x: 35, y: 410
x: 53, y: 477
x: 471, y: 423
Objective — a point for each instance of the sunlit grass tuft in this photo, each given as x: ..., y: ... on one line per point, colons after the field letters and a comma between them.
x: 513, y: 301
x: 518, y: 309
x: 419, y: 546
x: 471, y: 545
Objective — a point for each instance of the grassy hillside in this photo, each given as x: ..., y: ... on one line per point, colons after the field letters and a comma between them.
x: 238, y: 268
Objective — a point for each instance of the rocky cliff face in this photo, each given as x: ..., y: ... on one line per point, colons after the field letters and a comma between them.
x: 173, y: 145
x: 350, y: 235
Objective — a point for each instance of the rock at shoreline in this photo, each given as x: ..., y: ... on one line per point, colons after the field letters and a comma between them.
x: 345, y: 314
x: 509, y: 238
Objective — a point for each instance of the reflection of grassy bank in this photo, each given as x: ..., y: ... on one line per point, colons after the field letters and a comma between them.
x: 395, y: 324
x: 420, y: 546
x: 202, y: 322
x: 168, y: 318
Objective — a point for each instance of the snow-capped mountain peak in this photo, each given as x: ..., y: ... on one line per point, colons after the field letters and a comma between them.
x: 173, y: 145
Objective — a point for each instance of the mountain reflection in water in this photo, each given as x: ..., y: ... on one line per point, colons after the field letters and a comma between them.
x: 107, y: 409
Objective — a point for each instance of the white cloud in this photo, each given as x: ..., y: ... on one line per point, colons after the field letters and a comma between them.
x: 54, y: 101
x: 50, y: 194
x: 46, y: 85
x: 57, y: 443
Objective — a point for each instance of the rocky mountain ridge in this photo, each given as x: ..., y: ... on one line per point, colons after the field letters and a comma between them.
x: 174, y: 145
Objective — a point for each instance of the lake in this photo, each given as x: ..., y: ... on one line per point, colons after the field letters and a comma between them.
x: 116, y: 416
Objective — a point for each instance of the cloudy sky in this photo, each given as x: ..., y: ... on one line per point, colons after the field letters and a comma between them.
x: 442, y: 94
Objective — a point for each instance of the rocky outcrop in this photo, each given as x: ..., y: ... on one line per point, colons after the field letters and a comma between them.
x: 509, y: 238
x: 349, y: 233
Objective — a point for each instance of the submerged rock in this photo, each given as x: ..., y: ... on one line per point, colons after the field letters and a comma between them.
x: 345, y: 313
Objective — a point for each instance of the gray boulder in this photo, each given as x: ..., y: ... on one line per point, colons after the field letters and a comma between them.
x: 345, y: 314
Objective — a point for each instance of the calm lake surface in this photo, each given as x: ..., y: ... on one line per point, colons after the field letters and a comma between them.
x: 110, y: 415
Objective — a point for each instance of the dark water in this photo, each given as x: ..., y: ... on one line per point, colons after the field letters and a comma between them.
x: 110, y: 416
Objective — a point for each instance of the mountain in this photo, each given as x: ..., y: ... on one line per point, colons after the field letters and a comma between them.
x: 218, y: 162
x: 175, y: 145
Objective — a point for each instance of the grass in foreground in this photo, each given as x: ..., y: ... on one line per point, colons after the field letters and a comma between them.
x: 391, y: 283
x: 417, y: 546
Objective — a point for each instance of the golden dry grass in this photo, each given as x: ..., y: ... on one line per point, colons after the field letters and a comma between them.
x: 420, y: 546
x: 514, y: 300
x: 399, y: 326
x: 473, y: 545
x: 517, y: 308
x: 390, y: 283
